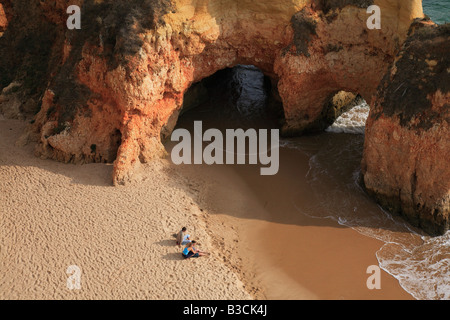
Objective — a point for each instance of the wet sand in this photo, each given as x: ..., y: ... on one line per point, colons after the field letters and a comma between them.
x: 285, y: 254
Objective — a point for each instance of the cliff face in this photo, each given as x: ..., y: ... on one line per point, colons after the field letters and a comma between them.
x: 113, y: 90
x: 407, y: 147
x: 25, y: 48
x: 5, y: 11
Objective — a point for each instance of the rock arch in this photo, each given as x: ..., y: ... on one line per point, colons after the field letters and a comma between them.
x: 119, y: 82
x: 308, y: 52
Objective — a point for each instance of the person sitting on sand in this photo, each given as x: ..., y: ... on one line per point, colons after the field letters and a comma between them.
x: 182, y: 237
x: 190, y: 252
x: 194, y: 246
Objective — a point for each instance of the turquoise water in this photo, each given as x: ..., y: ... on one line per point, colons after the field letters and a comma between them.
x: 437, y: 10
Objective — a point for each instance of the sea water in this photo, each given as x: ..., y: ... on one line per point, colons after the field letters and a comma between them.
x: 437, y: 10
x: 421, y: 263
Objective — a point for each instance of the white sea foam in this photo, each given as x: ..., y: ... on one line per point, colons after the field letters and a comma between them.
x: 352, y: 121
x: 423, y: 271
x: 420, y: 263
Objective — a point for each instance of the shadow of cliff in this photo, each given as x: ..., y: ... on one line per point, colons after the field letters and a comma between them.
x: 304, y: 192
x: 286, y: 198
x: 95, y: 174
x: 317, y: 177
x: 235, y: 190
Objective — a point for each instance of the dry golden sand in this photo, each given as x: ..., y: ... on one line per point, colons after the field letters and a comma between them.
x: 54, y: 215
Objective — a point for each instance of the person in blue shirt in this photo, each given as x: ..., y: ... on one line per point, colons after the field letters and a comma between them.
x: 190, y: 251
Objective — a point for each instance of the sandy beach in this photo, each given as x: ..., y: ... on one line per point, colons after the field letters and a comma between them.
x: 54, y: 215
x: 324, y: 125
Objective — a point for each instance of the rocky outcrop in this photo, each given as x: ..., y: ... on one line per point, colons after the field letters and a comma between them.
x: 119, y: 82
x: 5, y: 16
x: 28, y: 53
x: 110, y: 91
x: 407, y: 148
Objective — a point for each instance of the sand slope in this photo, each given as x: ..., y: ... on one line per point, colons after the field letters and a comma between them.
x: 54, y: 215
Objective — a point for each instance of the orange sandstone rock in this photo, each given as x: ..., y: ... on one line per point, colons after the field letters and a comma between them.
x: 114, y: 88
x: 407, y: 148
x: 130, y: 84
x: 3, y: 20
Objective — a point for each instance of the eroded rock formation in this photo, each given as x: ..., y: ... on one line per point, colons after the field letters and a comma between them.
x: 113, y: 90
x: 4, y: 16
x: 406, y: 163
